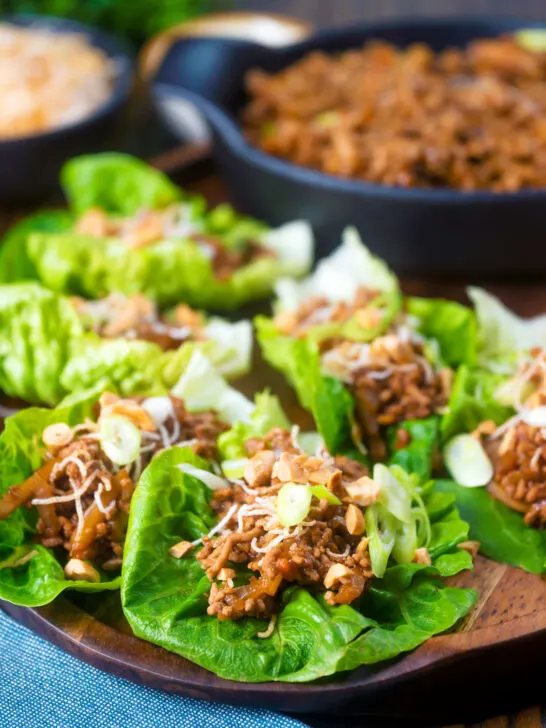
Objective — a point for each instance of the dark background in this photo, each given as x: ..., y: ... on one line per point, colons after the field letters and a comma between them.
x: 338, y: 12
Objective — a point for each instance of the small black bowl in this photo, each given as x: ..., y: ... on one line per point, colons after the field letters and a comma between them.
x: 421, y: 232
x: 30, y: 165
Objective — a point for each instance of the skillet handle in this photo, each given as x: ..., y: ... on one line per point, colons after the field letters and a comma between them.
x: 194, y: 67
x: 264, y: 29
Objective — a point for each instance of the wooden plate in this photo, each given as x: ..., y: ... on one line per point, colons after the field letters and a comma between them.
x: 496, y: 655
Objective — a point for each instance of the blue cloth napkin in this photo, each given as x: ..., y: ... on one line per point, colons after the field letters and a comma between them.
x: 44, y: 687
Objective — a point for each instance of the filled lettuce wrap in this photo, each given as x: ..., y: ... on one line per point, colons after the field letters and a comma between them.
x: 364, y: 360
x: 67, y: 477
x: 291, y: 565
x: 52, y: 345
x: 496, y: 451
x: 131, y: 230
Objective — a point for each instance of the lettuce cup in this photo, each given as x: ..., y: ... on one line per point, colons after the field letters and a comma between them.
x: 131, y: 230
x: 68, y: 476
x: 291, y: 564
x: 366, y: 361
x: 496, y: 452
x: 52, y: 345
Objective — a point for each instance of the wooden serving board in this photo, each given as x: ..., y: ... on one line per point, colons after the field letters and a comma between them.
x: 495, y: 659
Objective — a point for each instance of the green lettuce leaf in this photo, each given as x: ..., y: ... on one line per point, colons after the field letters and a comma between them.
x: 168, y: 272
x: 40, y: 579
x: 15, y: 265
x: 418, y: 456
x: 472, y: 401
x: 502, y: 533
x: 117, y: 183
x: 501, y: 333
x: 330, y: 403
x: 37, y: 332
x: 45, y: 352
x: 164, y: 598
x: 449, y: 323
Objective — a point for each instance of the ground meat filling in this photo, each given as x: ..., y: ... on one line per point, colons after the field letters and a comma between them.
x: 518, y: 449
x: 83, y: 498
x: 148, y: 227
x: 327, y: 551
x: 225, y: 261
x: 390, y: 378
x: 317, y: 310
x: 137, y: 317
x: 468, y: 119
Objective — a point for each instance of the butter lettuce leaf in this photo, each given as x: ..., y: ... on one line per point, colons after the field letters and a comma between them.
x: 37, y: 333
x: 117, y: 183
x: 501, y: 531
x: 39, y: 579
x: 473, y: 399
x: 452, y: 325
x: 15, y: 265
x: 169, y: 271
x: 164, y: 598
x: 45, y: 353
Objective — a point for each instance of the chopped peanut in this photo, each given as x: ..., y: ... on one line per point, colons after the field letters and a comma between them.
x: 133, y: 412
x: 363, y: 491
x: 186, y: 316
x: 79, y: 570
x: 94, y: 222
x: 107, y: 399
x: 321, y: 477
x: 354, y: 520
x: 335, y: 573
x: 258, y: 469
x: 225, y: 574
x: 471, y: 546
x: 422, y: 556
x: 148, y: 230
x: 56, y: 436
x: 180, y: 549
x: 362, y: 546
x: 368, y: 318
x: 285, y: 322
x: 487, y: 427
x: 286, y: 470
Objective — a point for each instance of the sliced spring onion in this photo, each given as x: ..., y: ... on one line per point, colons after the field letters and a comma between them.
x: 393, y: 495
x: 321, y: 491
x: 381, y: 531
x: 234, y: 468
x: 532, y: 39
x: 293, y: 503
x: 213, y: 481
x: 535, y: 417
x: 405, y: 543
x: 120, y: 439
x: 159, y: 409
x: 468, y: 462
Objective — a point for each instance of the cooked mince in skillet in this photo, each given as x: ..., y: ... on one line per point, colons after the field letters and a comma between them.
x: 469, y: 119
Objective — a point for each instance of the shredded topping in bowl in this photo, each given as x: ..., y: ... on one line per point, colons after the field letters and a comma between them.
x: 49, y: 79
x: 138, y: 317
x: 83, y: 490
x: 324, y: 547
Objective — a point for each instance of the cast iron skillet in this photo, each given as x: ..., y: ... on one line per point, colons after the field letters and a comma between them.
x: 29, y: 166
x: 419, y: 231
